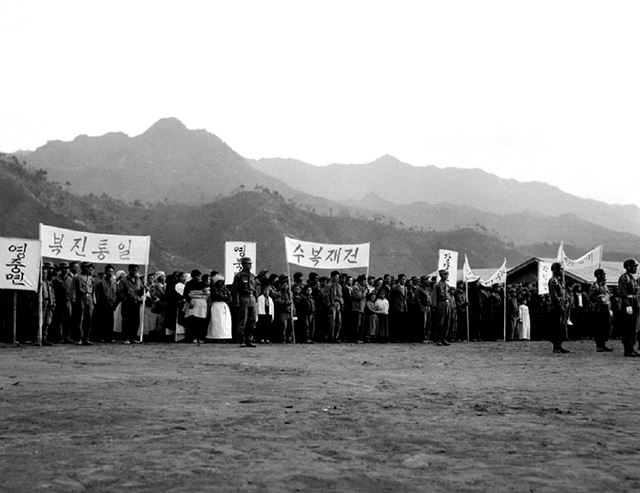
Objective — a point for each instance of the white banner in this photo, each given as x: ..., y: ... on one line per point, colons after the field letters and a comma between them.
x: 467, y: 273
x: 544, y: 274
x: 19, y: 264
x: 500, y: 276
x: 325, y: 255
x: 233, y: 252
x: 448, y: 260
x: 593, y: 258
x: 66, y: 244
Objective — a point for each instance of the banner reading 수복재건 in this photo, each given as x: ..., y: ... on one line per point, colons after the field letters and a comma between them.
x: 326, y: 255
x: 19, y: 264
x: 233, y: 252
x: 66, y: 244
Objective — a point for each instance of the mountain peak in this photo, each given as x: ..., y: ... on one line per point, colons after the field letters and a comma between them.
x: 166, y: 126
x: 388, y: 161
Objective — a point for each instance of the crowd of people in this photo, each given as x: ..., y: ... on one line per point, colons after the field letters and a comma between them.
x: 80, y: 305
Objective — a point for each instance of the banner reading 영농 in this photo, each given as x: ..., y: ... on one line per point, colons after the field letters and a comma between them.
x: 66, y: 244
x: 448, y: 260
x: 233, y: 252
x: 19, y: 264
x: 326, y: 255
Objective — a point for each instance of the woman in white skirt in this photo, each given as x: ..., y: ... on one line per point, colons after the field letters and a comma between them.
x: 524, y: 322
x: 220, y: 321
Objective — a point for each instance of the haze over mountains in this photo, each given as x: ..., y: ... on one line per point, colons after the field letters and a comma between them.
x: 170, y: 163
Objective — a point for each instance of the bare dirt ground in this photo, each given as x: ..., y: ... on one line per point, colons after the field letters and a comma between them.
x: 470, y: 417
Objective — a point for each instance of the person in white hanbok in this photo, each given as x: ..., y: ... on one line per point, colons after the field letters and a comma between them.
x: 524, y: 322
x: 220, y: 320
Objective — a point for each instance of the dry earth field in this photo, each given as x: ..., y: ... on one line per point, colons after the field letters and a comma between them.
x: 470, y: 417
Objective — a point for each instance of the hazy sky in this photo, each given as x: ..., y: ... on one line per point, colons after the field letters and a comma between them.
x: 536, y: 90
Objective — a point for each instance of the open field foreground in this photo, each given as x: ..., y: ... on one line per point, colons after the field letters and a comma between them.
x: 470, y: 417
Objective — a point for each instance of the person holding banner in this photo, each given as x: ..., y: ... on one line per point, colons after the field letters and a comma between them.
x: 442, y: 304
x: 628, y: 290
x: 244, y: 292
x: 559, y: 308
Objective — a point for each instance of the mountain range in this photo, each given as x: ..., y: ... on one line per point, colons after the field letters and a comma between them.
x: 172, y: 165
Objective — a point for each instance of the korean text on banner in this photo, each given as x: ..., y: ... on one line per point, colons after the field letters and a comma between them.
x: 326, y: 256
x: 591, y: 259
x: 66, y: 244
x: 544, y: 274
x: 499, y: 277
x: 467, y: 273
x: 448, y: 260
x: 233, y: 252
x: 19, y: 264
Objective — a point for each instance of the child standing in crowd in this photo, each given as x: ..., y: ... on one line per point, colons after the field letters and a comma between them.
x: 382, y: 309
x: 371, y: 318
x: 266, y: 311
x: 524, y: 322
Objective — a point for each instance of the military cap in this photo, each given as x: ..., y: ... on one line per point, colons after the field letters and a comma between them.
x: 245, y: 260
x: 630, y: 262
x: 47, y: 265
x: 556, y: 266
x: 598, y: 272
x: 443, y: 271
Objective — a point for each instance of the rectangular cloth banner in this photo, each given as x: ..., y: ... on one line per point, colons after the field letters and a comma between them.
x: 592, y: 259
x: 19, y: 264
x: 544, y: 274
x: 325, y: 255
x: 448, y: 260
x: 499, y: 277
x: 66, y: 244
x: 233, y: 252
x: 467, y: 273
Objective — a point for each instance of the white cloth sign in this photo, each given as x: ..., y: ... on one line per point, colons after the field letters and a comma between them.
x: 593, y: 258
x: 233, y: 252
x: 448, y: 260
x: 500, y: 276
x: 325, y: 255
x: 66, y: 244
x: 19, y: 264
x: 467, y: 273
x: 544, y: 274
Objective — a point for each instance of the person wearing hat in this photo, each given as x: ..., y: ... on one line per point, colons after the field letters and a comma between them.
x: 442, y: 303
x: 283, y: 304
x: 423, y: 302
x: 558, y: 315
x: 130, y: 293
x: 600, y: 300
x: 106, y: 303
x: 83, y: 307
x: 629, y: 290
x: 244, y: 295
x: 220, y: 320
x: 48, y: 301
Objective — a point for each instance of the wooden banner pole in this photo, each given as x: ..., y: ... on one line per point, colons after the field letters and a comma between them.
x: 15, y: 315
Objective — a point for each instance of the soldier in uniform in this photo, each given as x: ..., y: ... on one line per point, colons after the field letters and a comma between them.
x: 559, y: 308
x: 130, y: 292
x: 600, y: 300
x: 423, y: 301
x: 244, y: 294
x: 442, y: 304
x: 628, y: 290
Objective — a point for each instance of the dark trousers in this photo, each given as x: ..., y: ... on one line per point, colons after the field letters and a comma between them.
x: 195, y: 329
x: 441, y: 322
x: 263, y: 328
x: 629, y: 329
x: 83, y: 313
x: 284, y: 326
x: 103, y: 322
x: 601, y: 325
x: 558, y: 323
x: 398, y: 325
x: 130, y: 320
x: 334, y: 322
x: 247, y: 317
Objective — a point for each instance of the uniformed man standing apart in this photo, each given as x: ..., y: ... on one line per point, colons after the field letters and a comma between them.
x: 600, y: 300
x: 559, y: 308
x: 628, y: 290
x: 244, y: 294
x: 442, y: 305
